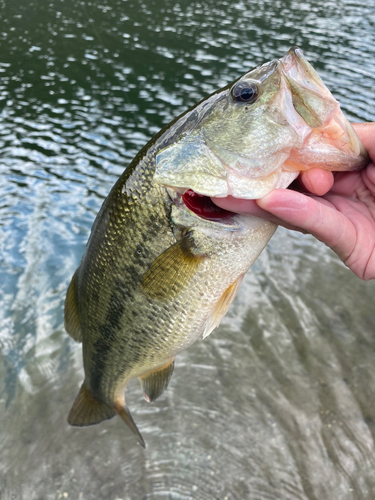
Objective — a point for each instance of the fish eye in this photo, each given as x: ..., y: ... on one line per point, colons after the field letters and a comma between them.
x: 245, y: 92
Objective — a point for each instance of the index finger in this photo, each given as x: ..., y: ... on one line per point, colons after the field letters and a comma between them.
x: 317, y: 181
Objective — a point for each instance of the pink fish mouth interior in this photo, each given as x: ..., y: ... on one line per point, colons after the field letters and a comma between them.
x: 204, y: 207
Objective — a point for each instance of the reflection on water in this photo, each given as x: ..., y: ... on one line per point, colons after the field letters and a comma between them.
x: 280, y: 401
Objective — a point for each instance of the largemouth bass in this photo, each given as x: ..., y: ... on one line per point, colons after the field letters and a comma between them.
x: 163, y: 264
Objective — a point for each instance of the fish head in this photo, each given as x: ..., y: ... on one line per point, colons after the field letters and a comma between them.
x: 259, y: 133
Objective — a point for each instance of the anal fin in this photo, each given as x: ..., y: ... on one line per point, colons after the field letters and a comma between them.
x: 87, y: 410
x: 222, y: 307
x: 155, y: 382
x: 71, y: 316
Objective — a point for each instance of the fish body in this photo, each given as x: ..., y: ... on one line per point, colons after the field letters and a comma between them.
x: 162, y: 264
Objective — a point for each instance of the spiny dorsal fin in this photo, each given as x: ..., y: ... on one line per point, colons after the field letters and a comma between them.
x: 124, y: 413
x: 171, y: 272
x: 87, y: 410
x: 222, y: 307
x: 154, y: 383
x: 72, y: 324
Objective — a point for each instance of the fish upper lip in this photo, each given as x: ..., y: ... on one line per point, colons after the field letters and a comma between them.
x: 293, y: 55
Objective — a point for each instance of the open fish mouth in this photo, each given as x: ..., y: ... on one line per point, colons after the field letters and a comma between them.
x: 204, y: 207
x: 199, y: 208
x: 259, y: 133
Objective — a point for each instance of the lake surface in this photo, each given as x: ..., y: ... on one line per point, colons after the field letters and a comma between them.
x: 279, y: 402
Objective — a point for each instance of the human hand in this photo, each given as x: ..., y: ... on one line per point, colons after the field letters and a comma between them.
x: 337, y: 208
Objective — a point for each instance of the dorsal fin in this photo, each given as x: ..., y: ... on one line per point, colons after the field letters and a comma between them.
x: 222, y: 307
x: 71, y: 316
x: 87, y: 410
x: 171, y: 272
x: 155, y: 382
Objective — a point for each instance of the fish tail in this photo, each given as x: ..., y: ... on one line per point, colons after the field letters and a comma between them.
x: 124, y: 413
x: 87, y: 410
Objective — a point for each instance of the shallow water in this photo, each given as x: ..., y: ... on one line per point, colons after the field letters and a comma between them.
x: 279, y: 402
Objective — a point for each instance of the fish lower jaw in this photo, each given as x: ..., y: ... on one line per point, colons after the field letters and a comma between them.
x: 197, y: 197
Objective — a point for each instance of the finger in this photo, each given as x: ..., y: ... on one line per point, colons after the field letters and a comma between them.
x: 249, y: 207
x: 347, y: 183
x: 355, y: 184
x: 317, y: 181
x: 319, y: 218
x: 362, y: 258
x: 366, y: 132
x: 240, y: 206
x: 369, y: 177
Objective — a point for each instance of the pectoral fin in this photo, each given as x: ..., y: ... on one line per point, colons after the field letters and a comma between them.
x: 154, y: 383
x: 171, y: 272
x: 222, y: 307
x: 71, y: 317
x: 87, y: 410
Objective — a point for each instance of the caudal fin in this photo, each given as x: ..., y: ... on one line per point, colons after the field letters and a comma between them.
x: 87, y: 410
x: 128, y: 419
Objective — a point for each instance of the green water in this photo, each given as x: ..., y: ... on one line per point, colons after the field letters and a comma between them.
x: 279, y: 402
